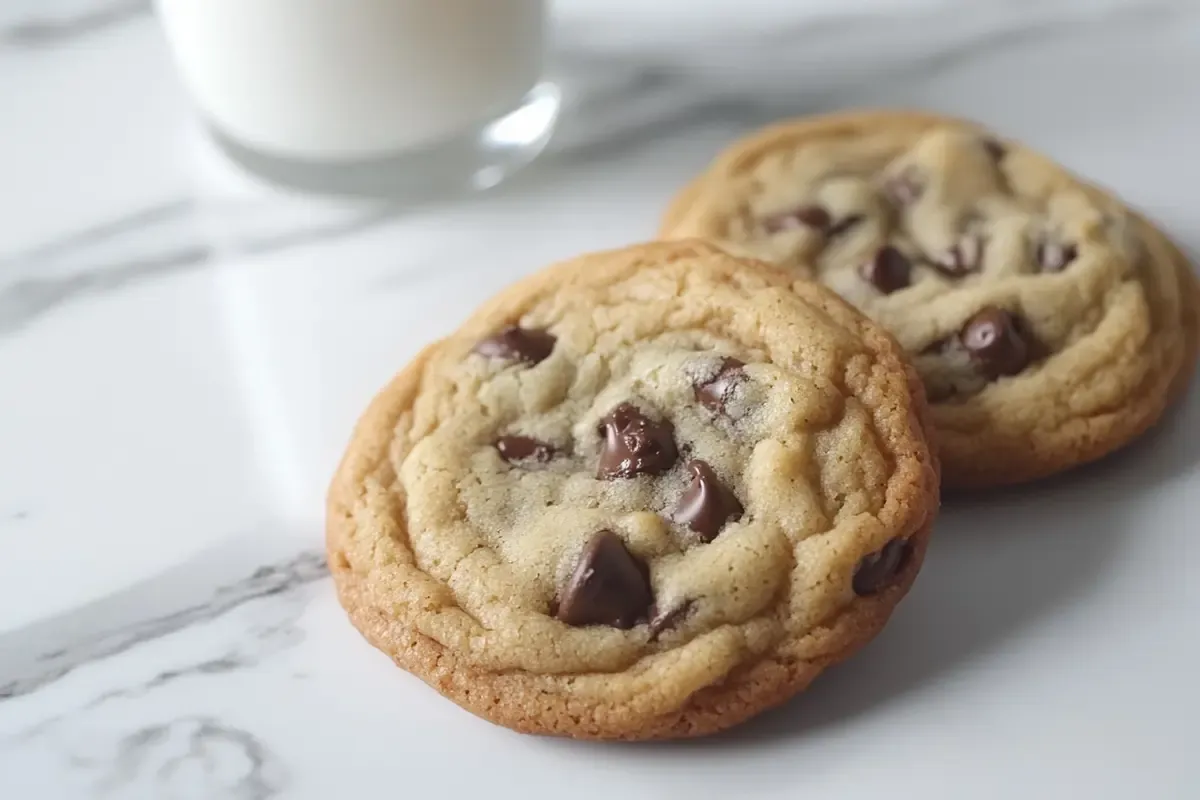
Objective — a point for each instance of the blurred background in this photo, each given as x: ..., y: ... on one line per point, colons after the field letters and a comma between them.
x: 95, y: 115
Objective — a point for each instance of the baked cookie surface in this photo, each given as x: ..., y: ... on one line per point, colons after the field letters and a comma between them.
x: 1050, y: 324
x: 642, y: 494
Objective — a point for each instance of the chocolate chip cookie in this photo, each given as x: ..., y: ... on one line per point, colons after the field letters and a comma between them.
x: 642, y: 494
x: 1051, y: 325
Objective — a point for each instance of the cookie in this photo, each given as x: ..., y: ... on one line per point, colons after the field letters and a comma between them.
x: 643, y: 494
x: 1051, y: 325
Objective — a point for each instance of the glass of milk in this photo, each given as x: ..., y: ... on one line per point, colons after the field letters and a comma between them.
x: 404, y: 99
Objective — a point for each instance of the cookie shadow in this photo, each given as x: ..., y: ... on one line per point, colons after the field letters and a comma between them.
x: 1168, y: 451
x: 999, y: 563
x: 987, y: 576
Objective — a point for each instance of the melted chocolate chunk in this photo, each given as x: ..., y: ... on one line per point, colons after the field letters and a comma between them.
x: 994, y: 339
x: 660, y: 620
x: 634, y: 444
x: 520, y: 448
x: 714, y: 394
x: 1054, y: 256
x: 609, y: 586
x: 940, y: 394
x: 813, y: 217
x: 844, y: 224
x: 876, y: 570
x: 964, y: 257
x: 904, y: 188
x: 889, y: 271
x: 995, y: 148
x: 517, y: 344
x: 707, y: 504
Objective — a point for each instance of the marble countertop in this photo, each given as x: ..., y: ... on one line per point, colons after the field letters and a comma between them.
x: 182, y: 355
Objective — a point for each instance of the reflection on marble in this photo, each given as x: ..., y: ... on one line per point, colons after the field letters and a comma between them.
x: 163, y: 752
x: 45, y: 24
x: 617, y: 100
x: 183, y: 353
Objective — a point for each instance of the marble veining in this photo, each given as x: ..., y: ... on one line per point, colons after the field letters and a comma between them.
x: 36, y: 28
x: 83, y: 265
x: 616, y: 101
x: 157, y: 754
x: 54, y: 662
x: 184, y: 754
x: 228, y: 761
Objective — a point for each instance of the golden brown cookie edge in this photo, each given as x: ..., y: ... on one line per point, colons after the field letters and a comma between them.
x: 524, y: 702
x: 1090, y: 438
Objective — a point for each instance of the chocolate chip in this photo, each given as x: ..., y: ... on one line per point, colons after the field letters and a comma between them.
x: 995, y: 342
x: 707, y: 504
x: 715, y: 393
x: 844, y: 224
x: 634, y: 444
x: 904, y: 188
x: 963, y: 257
x: 889, y: 271
x: 804, y: 217
x: 520, y: 448
x: 517, y: 344
x: 661, y: 620
x: 875, y: 570
x: 936, y: 393
x: 995, y: 148
x: 1054, y: 256
x: 609, y: 586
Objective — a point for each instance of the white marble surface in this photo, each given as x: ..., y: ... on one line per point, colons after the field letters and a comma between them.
x: 182, y: 355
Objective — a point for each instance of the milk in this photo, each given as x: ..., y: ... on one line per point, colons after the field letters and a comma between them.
x: 342, y: 80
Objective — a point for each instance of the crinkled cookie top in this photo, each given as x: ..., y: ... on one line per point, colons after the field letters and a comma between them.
x: 662, y: 461
x: 1049, y: 323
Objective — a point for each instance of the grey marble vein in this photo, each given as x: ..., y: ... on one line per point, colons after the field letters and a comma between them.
x: 642, y: 103
x: 651, y: 103
x: 637, y: 99
x: 39, y: 30
x: 366, y: 219
x: 253, y: 645
x: 260, y: 643
x: 270, y: 625
x: 102, y: 232
x: 213, y: 666
x: 739, y: 112
x: 174, y: 757
x: 26, y: 299
x: 36, y: 656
